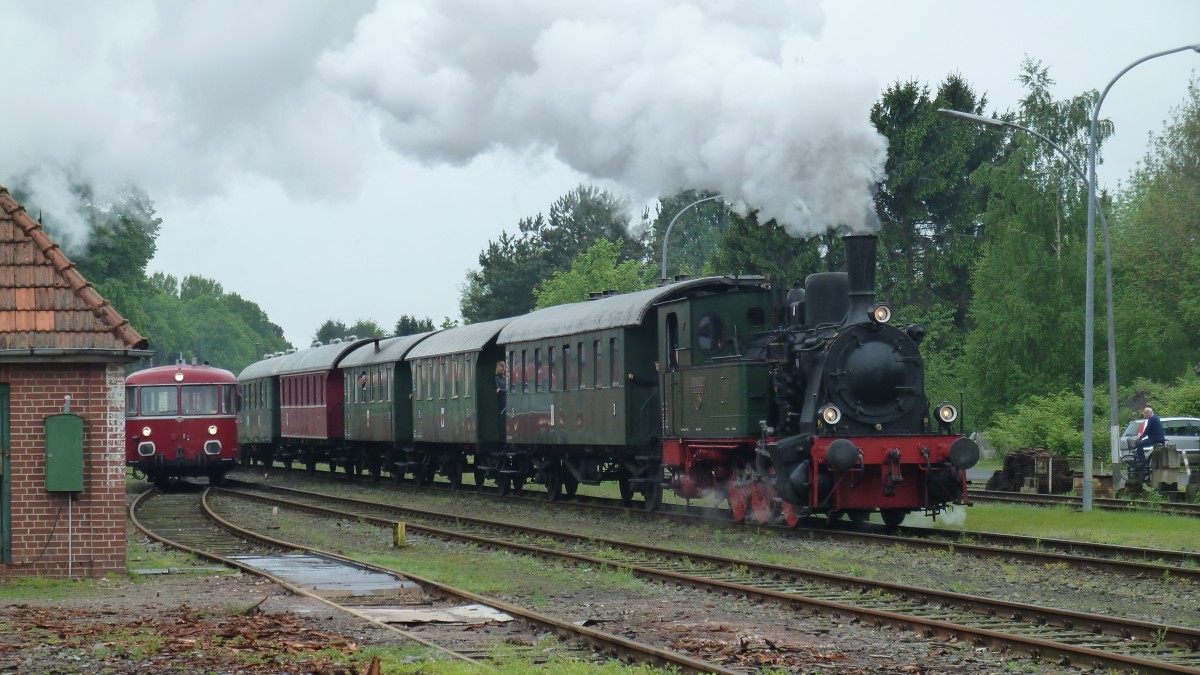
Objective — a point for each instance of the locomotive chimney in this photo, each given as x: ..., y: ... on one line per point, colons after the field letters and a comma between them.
x: 860, y: 268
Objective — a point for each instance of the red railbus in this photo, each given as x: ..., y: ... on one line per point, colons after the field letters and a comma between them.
x: 181, y: 421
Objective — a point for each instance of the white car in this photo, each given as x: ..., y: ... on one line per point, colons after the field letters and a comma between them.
x: 1182, y: 432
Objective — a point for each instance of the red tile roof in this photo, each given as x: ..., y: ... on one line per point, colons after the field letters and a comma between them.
x: 45, y: 303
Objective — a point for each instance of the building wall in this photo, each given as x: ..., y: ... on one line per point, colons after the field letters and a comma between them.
x: 60, y: 534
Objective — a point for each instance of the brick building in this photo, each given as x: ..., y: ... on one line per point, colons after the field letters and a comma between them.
x: 62, y: 402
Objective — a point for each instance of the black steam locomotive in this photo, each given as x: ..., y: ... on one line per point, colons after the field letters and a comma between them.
x: 721, y: 387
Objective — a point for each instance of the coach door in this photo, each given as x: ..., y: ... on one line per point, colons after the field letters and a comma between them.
x: 5, y: 481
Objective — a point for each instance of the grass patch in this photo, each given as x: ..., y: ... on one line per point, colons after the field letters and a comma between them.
x: 143, y: 554
x: 46, y: 588
x: 1127, y: 528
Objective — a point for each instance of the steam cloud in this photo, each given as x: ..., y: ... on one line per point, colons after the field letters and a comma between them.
x: 657, y: 95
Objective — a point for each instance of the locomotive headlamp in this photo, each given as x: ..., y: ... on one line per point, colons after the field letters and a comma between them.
x: 947, y: 413
x: 881, y: 314
x: 831, y: 414
x: 179, y: 376
x: 212, y: 430
x: 146, y: 431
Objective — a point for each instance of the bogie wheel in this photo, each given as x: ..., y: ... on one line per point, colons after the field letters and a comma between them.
x: 834, y: 517
x: 504, y: 483
x: 858, y: 517
x: 626, y: 490
x: 554, y: 484
x: 456, y: 476
x: 479, y: 478
x: 893, y: 517
x: 653, y: 496
x: 570, y: 484
x: 739, y: 502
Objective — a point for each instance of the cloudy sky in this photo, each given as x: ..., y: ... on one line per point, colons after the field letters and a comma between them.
x: 349, y: 159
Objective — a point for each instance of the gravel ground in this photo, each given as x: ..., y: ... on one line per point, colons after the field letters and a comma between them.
x: 186, y: 607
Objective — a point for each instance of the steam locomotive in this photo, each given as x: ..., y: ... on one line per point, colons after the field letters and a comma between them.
x: 782, y: 405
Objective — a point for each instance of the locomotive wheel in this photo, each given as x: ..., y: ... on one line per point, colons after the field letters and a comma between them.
x: 893, y: 517
x: 858, y: 517
x: 761, y: 497
x: 739, y: 499
x: 626, y: 490
x: 834, y: 516
x: 790, y: 516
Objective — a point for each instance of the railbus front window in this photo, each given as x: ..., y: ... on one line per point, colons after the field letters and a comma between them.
x: 200, y: 399
x: 160, y: 400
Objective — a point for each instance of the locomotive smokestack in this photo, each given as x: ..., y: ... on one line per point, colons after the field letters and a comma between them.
x: 860, y: 268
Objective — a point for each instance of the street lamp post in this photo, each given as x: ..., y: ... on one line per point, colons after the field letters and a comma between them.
x: 667, y: 234
x: 1112, y: 348
x: 1091, y: 282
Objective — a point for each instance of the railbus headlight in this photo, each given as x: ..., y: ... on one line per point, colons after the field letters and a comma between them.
x: 947, y: 413
x: 831, y: 414
x: 212, y: 430
x: 881, y: 314
x: 146, y: 431
x: 179, y: 376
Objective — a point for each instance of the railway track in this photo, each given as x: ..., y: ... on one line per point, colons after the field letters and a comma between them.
x: 1104, y: 504
x: 186, y: 521
x: 1063, y: 637
x: 1131, y: 561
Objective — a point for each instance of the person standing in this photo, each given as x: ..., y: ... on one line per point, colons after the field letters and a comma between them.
x: 502, y: 386
x: 1152, y: 434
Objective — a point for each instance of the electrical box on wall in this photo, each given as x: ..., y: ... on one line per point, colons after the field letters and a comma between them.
x: 64, y: 453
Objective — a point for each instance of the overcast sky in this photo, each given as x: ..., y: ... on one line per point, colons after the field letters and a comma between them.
x: 349, y: 159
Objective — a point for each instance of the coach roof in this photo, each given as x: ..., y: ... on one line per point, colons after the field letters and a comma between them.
x: 310, y: 360
x: 469, y: 338
x: 613, y: 311
x: 386, y: 350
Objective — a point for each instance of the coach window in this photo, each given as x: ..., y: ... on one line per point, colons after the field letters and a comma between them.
x: 613, y: 370
x: 537, y: 369
x: 597, y: 378
x: 131, y: 400
x: 454, y: 370
x: 524, y: 374
x: 550, y: 368
x: 470, y: 374
x: 580, y: 361
x: 566, y: 367
x: 512, y: 371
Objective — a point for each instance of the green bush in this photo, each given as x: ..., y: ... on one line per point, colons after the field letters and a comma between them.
x: 1053, y: 423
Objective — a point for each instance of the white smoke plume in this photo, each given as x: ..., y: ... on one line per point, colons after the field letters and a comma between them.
x: 186, y: 98
x: 657, y: 95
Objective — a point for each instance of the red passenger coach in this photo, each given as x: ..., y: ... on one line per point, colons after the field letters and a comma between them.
x: 181, y: 421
